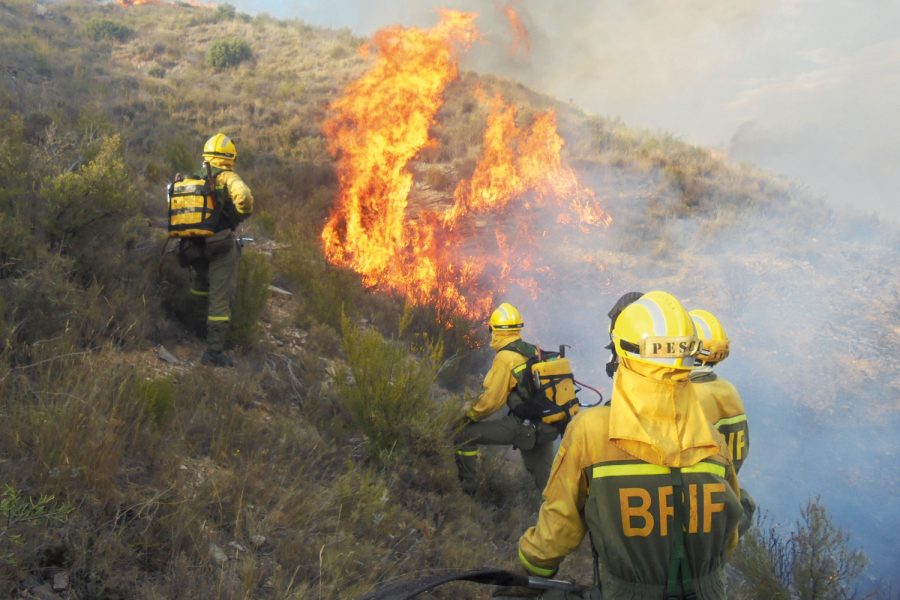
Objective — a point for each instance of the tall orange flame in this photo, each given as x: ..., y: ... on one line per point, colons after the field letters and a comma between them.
x: 436, y: 257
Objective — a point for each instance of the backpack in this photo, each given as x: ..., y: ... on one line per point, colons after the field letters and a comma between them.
x: 194, y: 208
x: 545, y: 386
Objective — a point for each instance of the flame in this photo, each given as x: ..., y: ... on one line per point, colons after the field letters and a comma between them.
x: 521, y: 39
x: 438, y: 257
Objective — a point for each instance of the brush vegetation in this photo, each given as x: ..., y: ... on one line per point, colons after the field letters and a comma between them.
x: 322, y: 464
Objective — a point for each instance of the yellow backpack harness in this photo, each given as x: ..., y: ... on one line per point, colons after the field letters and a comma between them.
x: 194, y: 206
x: 545, y: 386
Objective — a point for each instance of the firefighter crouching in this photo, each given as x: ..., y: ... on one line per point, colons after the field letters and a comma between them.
x: 213, y: 257
x: 647, y: 476
x: 533, y: 440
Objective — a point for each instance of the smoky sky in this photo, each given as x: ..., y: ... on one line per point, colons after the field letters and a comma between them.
x: 803, y: 88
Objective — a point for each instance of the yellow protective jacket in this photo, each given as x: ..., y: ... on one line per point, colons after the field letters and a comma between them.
x: 499, y: 380
x: 723, y: 407
x: 238, y: 191
x: 612, y: 477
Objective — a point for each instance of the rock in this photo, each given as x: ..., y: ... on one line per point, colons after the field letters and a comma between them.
x: 217, y: 555
x: 258, y: 541
x: 44, y: 592
x: 237, y: 546
x: 280, y: 292
x: 61, y: 581
x: 166, y: 355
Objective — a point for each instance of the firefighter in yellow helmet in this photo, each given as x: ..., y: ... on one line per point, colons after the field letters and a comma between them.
x: 648, y: 476
x: 534, y: 440
x: 214, y: 260
x: 720, y: 399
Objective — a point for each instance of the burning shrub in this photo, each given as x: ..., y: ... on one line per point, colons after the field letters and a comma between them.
x: 228, y: 53
x: 104, y: 29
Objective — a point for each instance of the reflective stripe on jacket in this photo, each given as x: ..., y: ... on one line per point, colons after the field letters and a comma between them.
x: 627, y: 506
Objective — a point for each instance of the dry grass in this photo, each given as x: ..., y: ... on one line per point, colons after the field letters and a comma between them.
x: 267, y: 481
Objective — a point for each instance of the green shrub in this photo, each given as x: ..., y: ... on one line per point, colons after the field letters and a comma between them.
x: 157, y: 72
x: 159, y: 398
x: 103, y: 29
x: 22, y: 518
x: 225, y: 11
x: 386, y: 389
x: 254, y: 276
x: 83, y: 211
x: 325, y: 290
x: 228, y: 53
x: 814, y: 560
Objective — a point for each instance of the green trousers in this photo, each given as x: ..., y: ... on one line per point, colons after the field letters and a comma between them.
x: 212, y: 287
x: 534, y: 442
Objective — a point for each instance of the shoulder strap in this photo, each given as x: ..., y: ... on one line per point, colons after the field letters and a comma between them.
x: 679, y: 587
x: 522, y: 347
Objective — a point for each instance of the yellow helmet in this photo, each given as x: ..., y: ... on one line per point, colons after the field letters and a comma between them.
x: 506, y: 316
x: 656, y: 329
x: 220, y: 146
x: 714, y: 340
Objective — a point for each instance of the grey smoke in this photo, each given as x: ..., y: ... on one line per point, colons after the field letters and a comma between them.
x: 805, y: 88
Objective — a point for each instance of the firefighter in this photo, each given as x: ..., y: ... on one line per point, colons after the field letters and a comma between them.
x: 534, y: 440
x: 720, y: 399
x: 214, y: 260
x: 647, y: 476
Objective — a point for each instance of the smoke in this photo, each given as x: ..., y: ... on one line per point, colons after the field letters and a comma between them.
x: 802, y: 87
x: 805, y: 300
x: 810, y: 297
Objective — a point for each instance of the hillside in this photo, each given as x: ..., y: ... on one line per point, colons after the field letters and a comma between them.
x: 321, y: 465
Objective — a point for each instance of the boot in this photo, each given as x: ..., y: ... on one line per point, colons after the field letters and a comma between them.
x: 467, y: 465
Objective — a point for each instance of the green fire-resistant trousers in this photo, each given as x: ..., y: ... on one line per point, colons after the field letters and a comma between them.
x: 534, y: 442
x: 212, y: 287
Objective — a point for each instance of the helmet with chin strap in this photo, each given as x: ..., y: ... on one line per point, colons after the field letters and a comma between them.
x: 506, y: 317
x: 656, y: 329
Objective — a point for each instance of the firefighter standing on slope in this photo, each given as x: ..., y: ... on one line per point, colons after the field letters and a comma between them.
x: 720, y: 399
x: 533, y: 440
x: 214, y: 260
x: 647, y: 476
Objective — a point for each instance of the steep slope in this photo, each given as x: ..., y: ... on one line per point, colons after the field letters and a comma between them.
x: 164, y: 471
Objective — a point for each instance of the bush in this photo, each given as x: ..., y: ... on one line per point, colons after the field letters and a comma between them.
x: 228, y: 53
x: 225, y: 11
x: 254, y: 276
x: 104, y: 29
x: 83, y: 211
x: 813, y: 561
x: 159, y: 398
x: 386, y: 390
